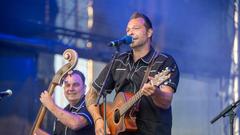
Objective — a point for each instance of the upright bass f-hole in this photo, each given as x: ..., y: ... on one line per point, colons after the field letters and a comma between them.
x: 72, y: 58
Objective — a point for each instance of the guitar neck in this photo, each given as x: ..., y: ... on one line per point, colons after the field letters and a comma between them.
x: 124, y: 108
x: 156, y: 81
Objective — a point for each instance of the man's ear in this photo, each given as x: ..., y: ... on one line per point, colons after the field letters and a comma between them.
x: 150, y: 32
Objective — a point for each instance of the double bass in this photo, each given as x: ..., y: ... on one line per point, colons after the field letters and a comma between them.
x: 72, y: 58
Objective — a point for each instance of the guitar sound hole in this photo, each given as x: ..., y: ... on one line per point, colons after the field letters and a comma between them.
x: 116, y: 116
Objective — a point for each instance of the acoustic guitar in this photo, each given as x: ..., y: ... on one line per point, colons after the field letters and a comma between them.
x: 119, y: 115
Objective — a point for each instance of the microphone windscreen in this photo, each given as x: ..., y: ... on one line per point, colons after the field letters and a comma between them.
x: 9, y: 92
x: 128, y: 39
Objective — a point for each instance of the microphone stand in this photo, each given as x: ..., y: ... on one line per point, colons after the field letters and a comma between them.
x: 103, y: 92
x: 228, y: 111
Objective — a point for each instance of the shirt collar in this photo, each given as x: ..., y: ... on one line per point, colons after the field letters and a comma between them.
x: 148, y: 57
x: 79, y: 104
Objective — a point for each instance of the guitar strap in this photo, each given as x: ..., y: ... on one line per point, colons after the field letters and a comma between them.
x: 147, y: 71
x: 145, y: 78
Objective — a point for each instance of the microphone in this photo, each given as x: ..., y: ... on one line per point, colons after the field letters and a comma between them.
x: 124, y: 40
x: 5, y: 93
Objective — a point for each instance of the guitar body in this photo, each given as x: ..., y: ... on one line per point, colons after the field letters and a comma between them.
x: 115, y: 122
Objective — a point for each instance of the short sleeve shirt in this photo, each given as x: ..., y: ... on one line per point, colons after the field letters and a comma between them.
x: 79, y: 109
x: 127, y: 75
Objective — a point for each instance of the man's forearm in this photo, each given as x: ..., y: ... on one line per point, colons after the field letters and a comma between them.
x: 72, y: 121
x: 163, y: 97
x: 91, y: 99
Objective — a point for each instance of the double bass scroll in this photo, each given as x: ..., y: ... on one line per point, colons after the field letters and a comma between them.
x: 72, y: 58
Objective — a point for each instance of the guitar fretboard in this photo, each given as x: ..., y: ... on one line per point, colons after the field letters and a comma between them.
x: 156, y: 81
x: 123, y: 109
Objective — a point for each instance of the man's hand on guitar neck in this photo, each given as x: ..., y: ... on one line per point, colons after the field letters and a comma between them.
x: 162, y: 96
x: 148, y: 89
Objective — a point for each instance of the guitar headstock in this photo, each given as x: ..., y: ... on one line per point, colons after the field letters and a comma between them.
x: 161, y: 77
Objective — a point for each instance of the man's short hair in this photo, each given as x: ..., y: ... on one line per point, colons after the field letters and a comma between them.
x: 78, y: 73
x: 147, y: 24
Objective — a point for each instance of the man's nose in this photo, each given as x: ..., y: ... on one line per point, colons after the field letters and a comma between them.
x: 71, y: 87
x: 130, y: 32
